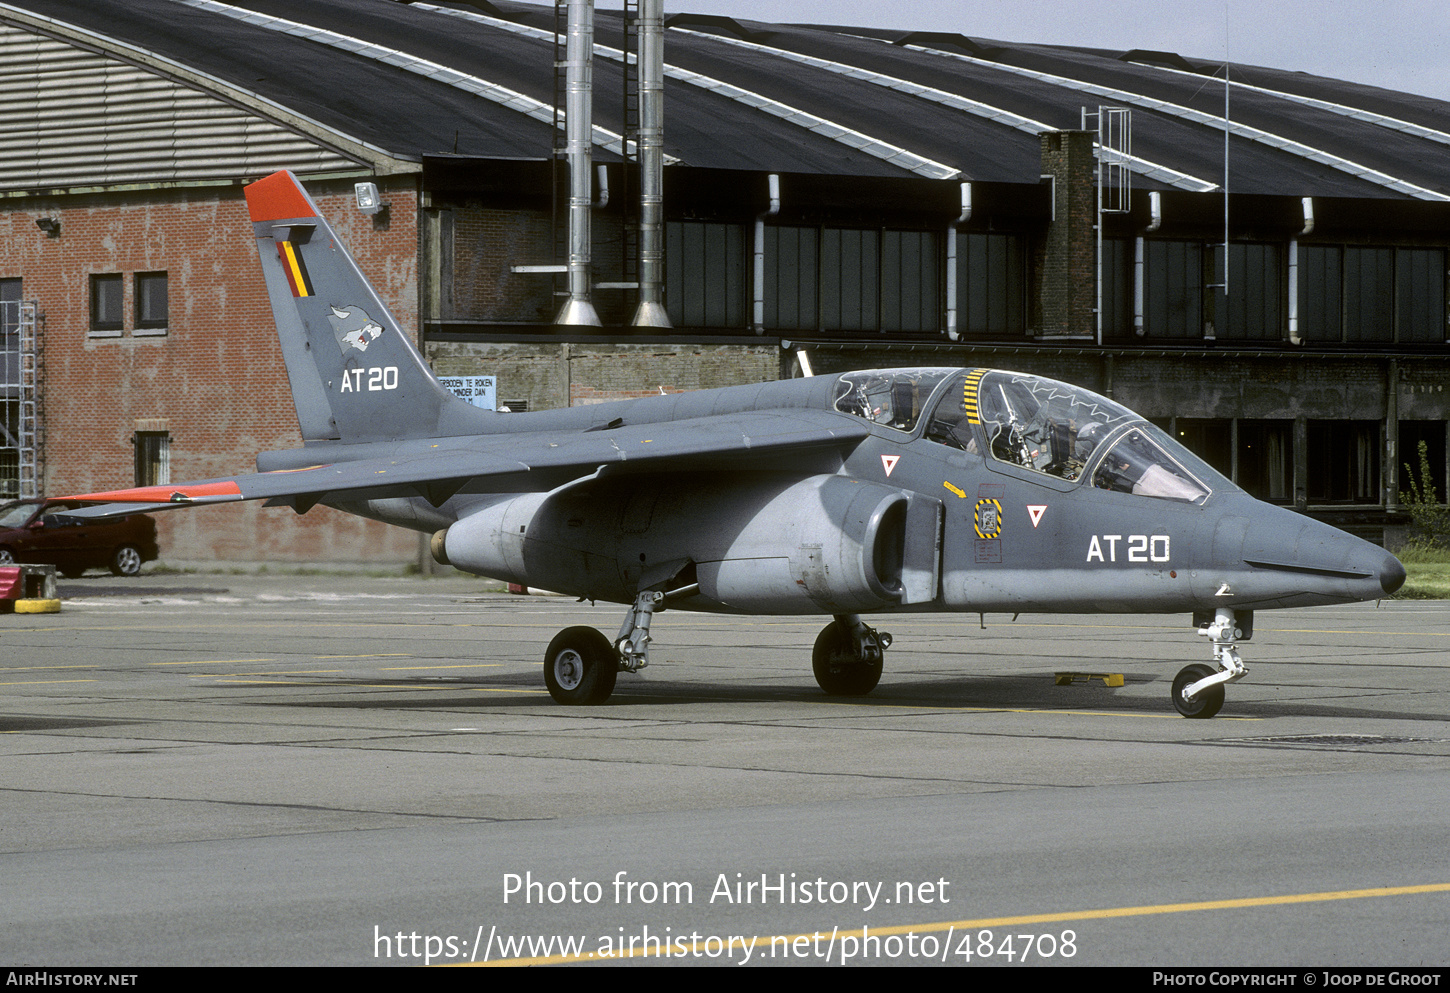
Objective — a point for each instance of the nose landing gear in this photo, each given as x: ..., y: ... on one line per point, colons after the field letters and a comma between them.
x: 1197, y: 689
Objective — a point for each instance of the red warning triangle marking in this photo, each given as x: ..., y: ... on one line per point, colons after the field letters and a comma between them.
x: 888, y: 462
x: 1034, y: 511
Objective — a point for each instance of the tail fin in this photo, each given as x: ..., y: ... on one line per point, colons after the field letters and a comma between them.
x: 354, y: 374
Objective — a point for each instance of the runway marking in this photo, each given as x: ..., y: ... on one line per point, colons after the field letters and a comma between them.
x: 1105, y: 913
x: 471, y: 665
x: 293, y: 672
x: 214, y: 662
x: 46, y: 668
x: 381, y: 655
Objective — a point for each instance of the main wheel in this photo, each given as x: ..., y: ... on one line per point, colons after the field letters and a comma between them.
x: 1207, y: 703
x: 839, y: 670
x: 126, y: 561
x: 580, y: 666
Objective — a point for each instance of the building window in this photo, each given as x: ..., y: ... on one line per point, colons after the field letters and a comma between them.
x: 106, y: 317
x: 153, y: 458
x: 1266, y: 459
x: 1255, y: 305
x: 1350, y: 294
x: 791, y: 276
x: 1344, y: 461
x: 705, y: 274
x: 150, y: 301
x: 992, y: 283
x: 852, y: 279
x: 1432, y: 435
x: 1211, y: 439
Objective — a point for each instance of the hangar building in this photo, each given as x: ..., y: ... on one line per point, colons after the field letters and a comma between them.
x: 833, y: 197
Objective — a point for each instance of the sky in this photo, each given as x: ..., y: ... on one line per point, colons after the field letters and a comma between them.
x: 1398, y: 44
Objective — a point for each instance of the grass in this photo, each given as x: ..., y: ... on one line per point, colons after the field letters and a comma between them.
x: 1427, y: 573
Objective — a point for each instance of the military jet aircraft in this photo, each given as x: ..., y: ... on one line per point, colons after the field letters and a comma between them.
x: 922, y: 489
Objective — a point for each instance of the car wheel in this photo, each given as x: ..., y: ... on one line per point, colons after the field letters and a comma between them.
x: 7, y: 557
x: 126, y: 561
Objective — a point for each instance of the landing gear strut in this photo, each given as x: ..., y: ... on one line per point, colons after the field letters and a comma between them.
x: 1197, y: 689
x: 848, y: 656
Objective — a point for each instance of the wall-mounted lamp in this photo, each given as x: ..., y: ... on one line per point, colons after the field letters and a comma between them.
x: 369, y: 201
x: 50, y: 225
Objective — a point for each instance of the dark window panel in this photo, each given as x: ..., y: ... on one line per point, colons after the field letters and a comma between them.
x: 106, y: 302
x: 151, y: 302
x: 1266, y: 459
x: 1432, y: 433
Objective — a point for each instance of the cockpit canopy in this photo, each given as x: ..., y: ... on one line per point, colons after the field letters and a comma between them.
x: 1037, y: 424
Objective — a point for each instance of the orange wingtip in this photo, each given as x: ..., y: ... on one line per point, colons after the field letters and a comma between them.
x: 164, y: 494
x: 278, y: 197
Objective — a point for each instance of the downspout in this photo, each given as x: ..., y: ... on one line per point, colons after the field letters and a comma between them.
x: 651, y: 311
x: 579, y: 110
x: 757, y: 323
x: 952, y: 331
x: 1294, y: 271
x: 1155, y: 221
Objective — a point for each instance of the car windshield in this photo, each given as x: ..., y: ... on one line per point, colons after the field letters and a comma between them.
x: 13, y: 515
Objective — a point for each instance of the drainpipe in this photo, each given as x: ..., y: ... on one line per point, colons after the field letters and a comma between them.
x: 758, y: 290
x: 651, y: 311
x: 1155, y: 221
x: 952, y: 332
x: 1294, y: 338
x: 578, y: 77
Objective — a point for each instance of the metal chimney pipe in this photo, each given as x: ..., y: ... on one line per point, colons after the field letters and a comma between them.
x: 579, y: 128
x: 651, y: 310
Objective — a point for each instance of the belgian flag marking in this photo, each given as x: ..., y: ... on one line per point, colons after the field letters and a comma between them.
x: 295, y: 269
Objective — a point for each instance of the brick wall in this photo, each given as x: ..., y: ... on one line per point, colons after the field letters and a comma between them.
x: 215, y: 380
x: 1067, y: 277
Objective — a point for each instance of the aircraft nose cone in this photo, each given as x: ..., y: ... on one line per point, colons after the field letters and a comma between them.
x: 1392, y: 574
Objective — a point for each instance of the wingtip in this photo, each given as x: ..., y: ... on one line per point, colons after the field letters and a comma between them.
x: 166, y: 494
x: 278, y: 197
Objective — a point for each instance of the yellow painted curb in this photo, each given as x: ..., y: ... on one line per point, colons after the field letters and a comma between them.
x: 37, y: 606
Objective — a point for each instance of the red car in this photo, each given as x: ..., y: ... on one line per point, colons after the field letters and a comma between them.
x: 31, y: 532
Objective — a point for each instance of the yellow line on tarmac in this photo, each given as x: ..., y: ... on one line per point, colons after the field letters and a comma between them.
x: 991, y: 922
x: 214, y: 662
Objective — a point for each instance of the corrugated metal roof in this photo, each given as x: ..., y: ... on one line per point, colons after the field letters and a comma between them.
x: 387, y: 83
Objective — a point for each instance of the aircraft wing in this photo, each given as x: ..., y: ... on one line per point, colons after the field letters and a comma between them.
x: 514, y: 462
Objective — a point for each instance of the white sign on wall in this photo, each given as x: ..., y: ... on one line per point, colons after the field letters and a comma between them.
x: 481, y: 391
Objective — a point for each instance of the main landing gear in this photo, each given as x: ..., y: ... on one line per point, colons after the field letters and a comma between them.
x: 848, y: 656
x: 1197, y: 689
x: 581, y: 664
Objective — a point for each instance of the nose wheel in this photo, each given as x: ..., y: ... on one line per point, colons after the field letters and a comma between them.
x: 1206, y: 703
x: 1198, y: 689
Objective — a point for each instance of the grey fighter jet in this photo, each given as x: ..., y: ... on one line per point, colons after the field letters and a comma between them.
x: 930, y: 489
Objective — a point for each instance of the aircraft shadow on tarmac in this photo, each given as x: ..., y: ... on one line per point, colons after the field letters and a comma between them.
x: 518, y: 691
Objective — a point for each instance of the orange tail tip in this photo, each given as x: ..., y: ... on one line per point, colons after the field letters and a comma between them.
x: 165, y: 494
x: 278, y: 197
